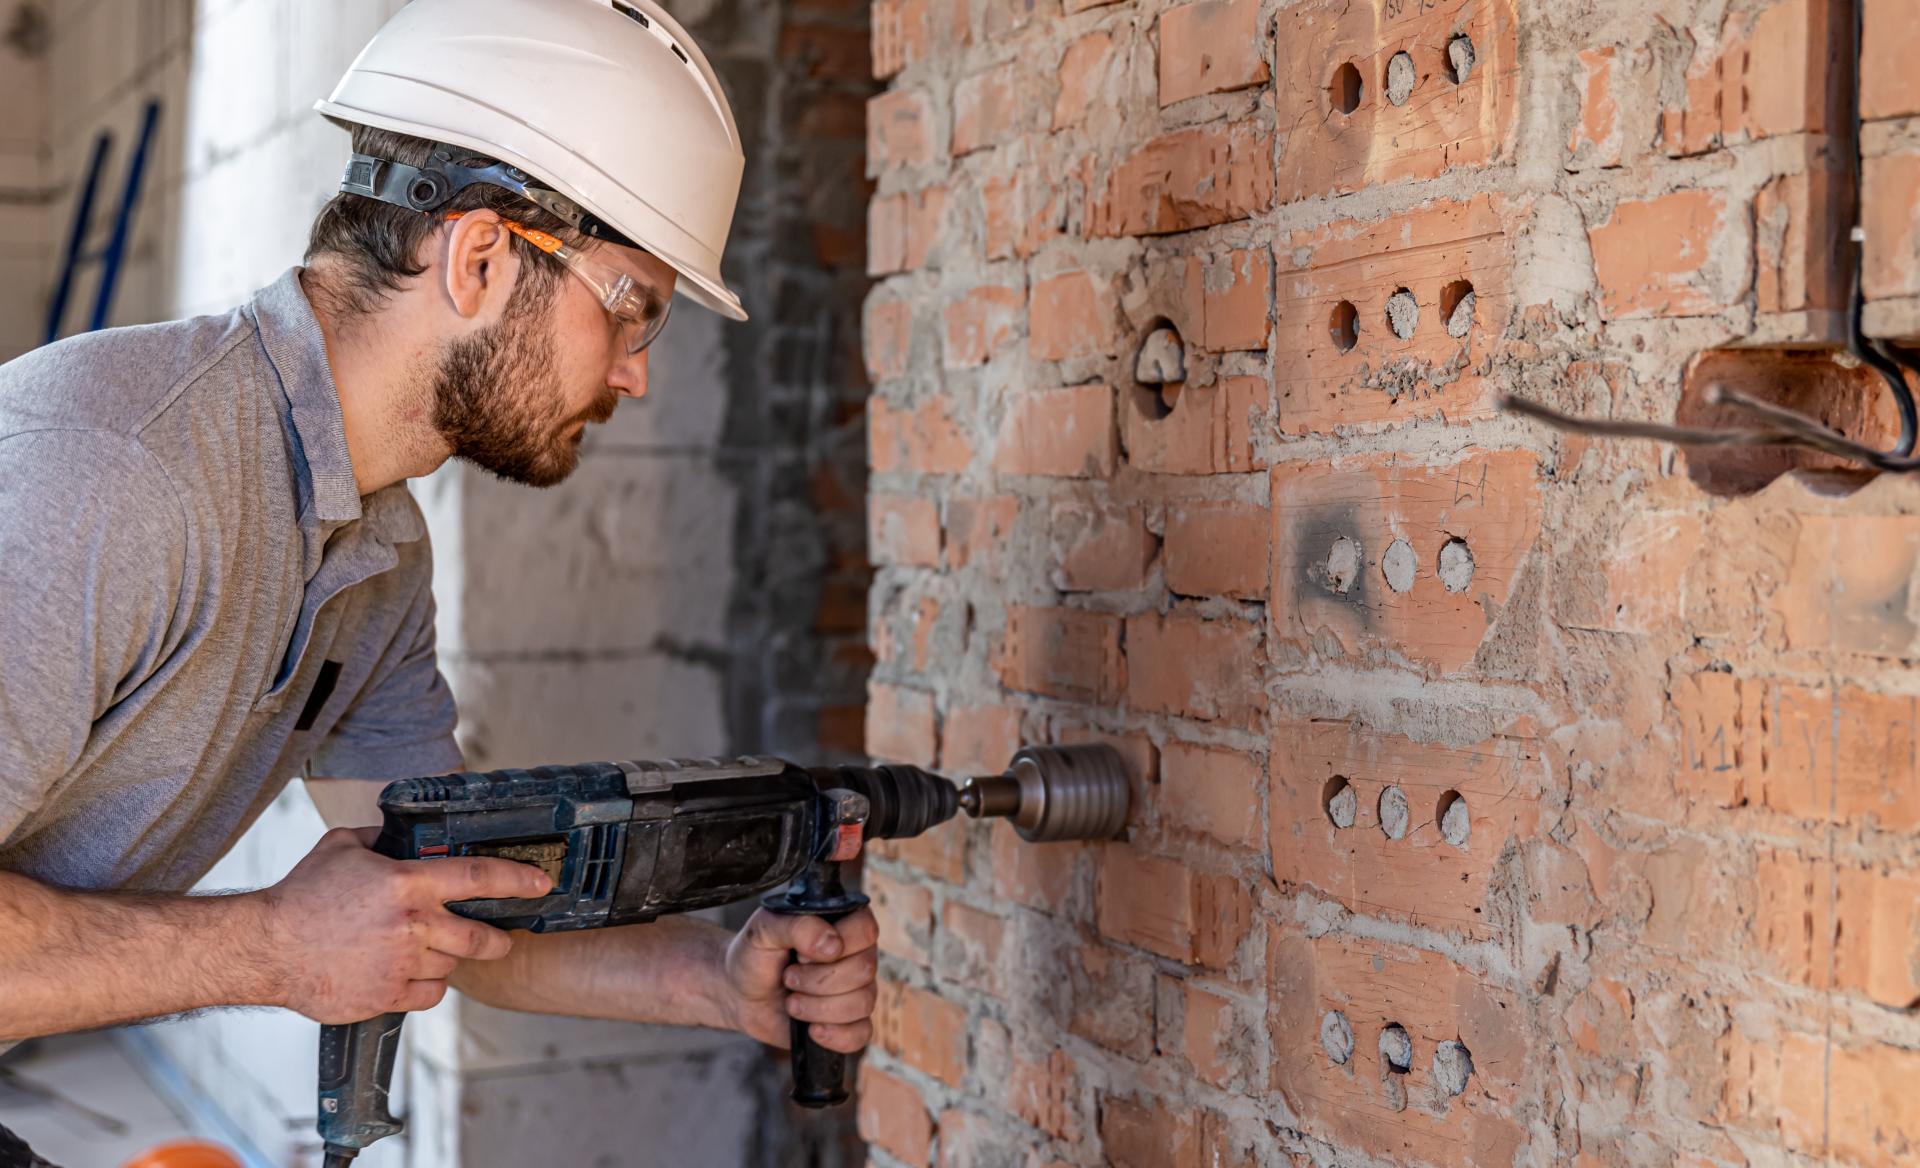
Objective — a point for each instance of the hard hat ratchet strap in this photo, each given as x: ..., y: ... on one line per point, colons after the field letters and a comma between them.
x: 428, y: 188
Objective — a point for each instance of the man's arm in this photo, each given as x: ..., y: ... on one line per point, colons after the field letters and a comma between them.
x: 677, y: 970
x: 347, y: 935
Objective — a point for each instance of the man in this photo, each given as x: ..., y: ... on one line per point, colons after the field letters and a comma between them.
x: 212, y: 576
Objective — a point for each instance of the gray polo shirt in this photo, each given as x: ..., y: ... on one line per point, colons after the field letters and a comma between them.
x: 195, y: 602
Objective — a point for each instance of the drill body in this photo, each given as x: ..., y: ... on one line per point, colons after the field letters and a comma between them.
x: 624, y: 843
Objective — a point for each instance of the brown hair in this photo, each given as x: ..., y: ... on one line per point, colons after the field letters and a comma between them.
x: 377, y: 245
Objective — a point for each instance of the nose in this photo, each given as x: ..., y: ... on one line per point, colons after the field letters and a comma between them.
x: 629, y: 375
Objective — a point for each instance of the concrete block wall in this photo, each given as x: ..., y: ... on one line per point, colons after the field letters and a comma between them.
x: 697, y: 588
x: 1503, y: 798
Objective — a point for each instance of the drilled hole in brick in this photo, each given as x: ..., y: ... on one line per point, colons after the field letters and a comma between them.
x: 1401, y: 77
x: 1455, y: 823
x: 1393, y: 813
x: 1343, y: 565
x: 1452, y: 1066
x: 1345, y: 326
x: 1396, y: 1049
x: 1342, y: 804
x: 1456, y: 307
x: 1456, y: 565
x: 1336, y: 1037
x: 1403, y: 314
x: 1399, y: 565
x: 1346, y: 88
x: 1853, y: 401
x: 1160, y: 368
x: 1460, y: 58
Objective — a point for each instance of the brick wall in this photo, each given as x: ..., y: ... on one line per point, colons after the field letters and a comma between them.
x: 1503, y: 798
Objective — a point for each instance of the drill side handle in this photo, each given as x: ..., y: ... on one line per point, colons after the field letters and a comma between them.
x: 819, y: 1074
x: 356, y: 1078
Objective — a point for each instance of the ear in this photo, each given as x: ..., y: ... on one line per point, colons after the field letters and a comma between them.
x: 481, y: 266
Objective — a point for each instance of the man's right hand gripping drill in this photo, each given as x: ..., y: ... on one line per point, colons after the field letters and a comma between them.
x: 348, y: 934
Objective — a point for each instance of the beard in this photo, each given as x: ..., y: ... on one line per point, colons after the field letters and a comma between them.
x: 498, y: 401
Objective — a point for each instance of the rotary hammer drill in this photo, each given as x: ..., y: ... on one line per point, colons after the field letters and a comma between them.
x: 626, y: 842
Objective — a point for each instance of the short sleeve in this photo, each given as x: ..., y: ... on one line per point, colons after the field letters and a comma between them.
x: 92, y: 555
x: 400, y: 725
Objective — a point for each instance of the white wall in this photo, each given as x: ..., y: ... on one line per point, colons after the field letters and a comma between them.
x: 576, y: 623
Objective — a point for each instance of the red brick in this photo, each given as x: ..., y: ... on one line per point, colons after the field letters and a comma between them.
x: 1061, y: 652
x: 1085, y: 72
x: 1769, y: 77
x: 1046, y: 1094
x: 1237, y: 300
x: 1210, y: 430
x: 1218, y: 549
x: 1492, y: 502
x: 1223, y: 918
x: 923, y: 1030
x: 1112, y: 1000
x: 893, y: 1117
x: 970, y: 946
x: 1098, y: 548
x: 1442, y: 126
x: 926, y: 619
x: 1039, y: 876
x: 902, y: 230
x: 1072, y: 315
x: 1838, y: 1101
x: 1185, y: 664
x: 1658, y: 257
x: 1000, y: 210
x: 1147, y: 901
x: 900, y: 34
x: 1435, y: 253
x: 1195, y: 177
x: 1419, y: 878
x: 1065, y: 433
x: 981, y: 323
x: 1892, y: 218
x: 990, y: 108
x: 1800, y: 243
x: 1720, y: 734
x: 900, y: 725
x: 979, y: 740
x: 905, y: 914
x: 978, y: 529
x: 1145, y: 1135
x: 1373, y: 984
x: 1212, y: 791
x: 1596, y: 139
x: 904, y: 530
x: 1211, y: 47
x: 899, y: 131
x: 1889, y: 84
x: 1215, y: 1038
x: 924, y: 439
x: 888, y: 338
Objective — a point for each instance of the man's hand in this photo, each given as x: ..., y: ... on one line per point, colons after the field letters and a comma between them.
x: 832, y: 985
x: 353, y: 934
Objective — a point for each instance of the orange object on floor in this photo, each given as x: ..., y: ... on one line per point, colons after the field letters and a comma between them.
x: 185, y: 1154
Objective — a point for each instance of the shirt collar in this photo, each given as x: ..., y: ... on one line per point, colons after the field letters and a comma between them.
x: 291, y: 335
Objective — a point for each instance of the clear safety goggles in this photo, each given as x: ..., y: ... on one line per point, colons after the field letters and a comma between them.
x: 639, y: 313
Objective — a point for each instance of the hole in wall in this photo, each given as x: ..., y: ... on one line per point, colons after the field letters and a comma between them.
x: 1456, y: 565
x: 1853, y: 401
x: 1399, y: 565
x: 1403, y: 314
x: 1346, y: 89
x: 1342, y: 804
x: 1396, y: 1049
x: 1456, y: 824
x: 1343, y: 565
x: 1457, y: 303
x: 1460, y: 58
x: 1394, y: 814
x: 1401, y: 77
x: 1336, y: 1037
x: 1160, y: 368
x: 1452, y: 1066
x: 1344, y: 326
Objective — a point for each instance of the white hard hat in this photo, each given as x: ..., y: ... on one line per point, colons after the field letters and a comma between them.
x: 607, y: 104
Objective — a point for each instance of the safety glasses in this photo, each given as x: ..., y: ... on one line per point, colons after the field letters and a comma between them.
x: 639, y: 313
